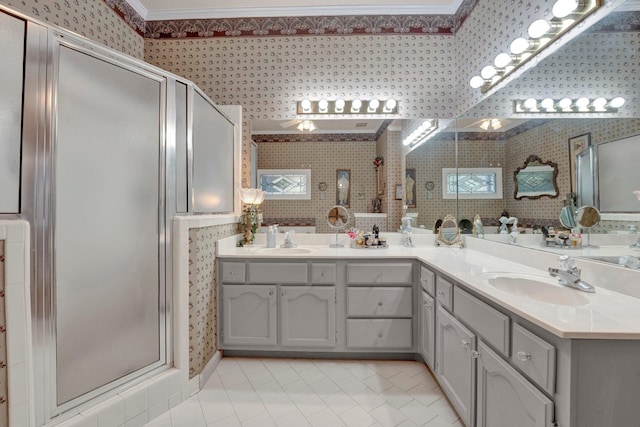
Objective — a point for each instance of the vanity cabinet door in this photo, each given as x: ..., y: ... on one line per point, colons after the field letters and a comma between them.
x: 506, y: 398
x: 428, y: 329
x: 308, y: 316
x: 456, y: 365
x: 249, y: 315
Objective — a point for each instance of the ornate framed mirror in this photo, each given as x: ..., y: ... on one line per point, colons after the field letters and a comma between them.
x: 449, y: 233
x: 536, y: 179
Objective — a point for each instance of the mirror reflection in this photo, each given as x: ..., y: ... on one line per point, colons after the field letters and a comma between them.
x: 535, y: 179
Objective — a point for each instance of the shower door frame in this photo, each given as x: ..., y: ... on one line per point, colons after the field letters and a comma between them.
x: 38, y: 206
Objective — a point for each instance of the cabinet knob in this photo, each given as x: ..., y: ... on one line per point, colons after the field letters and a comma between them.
x: 380, y: 303
x: 270, y: 292
x: 475, y: 354
x: 231, y: 273
x: 379, y: 334
x: 523, y: 356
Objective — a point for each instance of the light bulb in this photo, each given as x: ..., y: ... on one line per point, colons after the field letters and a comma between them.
x: 617, y: 102
x: 519, y: 46
x: 565, y: 103
x: 306, y: 105
x: 547, y: 104
x: 373, y: 105
x: 476, y: 82
x: 323, y: 105
x: 339, y: 105
x: 530, y: 104
x: 599, y: 104
x: 538, y: 28
x: 488, y: 72
x: 389, y: 105
x: 563, y: 8
x: 502, y: 60
x: 356, y: 104
x: 582, y: 103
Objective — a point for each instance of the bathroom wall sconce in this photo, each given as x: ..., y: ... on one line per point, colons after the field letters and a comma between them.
x: 421, y: 133
x: 568, y: 105
x: 566, y: 15
x: 343, y: 106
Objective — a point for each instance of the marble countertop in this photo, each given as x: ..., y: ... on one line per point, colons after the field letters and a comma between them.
x: 605, y: 314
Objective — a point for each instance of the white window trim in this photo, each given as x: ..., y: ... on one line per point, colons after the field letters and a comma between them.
x: 453, y: 171
x: 306, y: 172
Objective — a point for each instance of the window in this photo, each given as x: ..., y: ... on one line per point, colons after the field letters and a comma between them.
x: 285, y: 184
x: 472, y: 183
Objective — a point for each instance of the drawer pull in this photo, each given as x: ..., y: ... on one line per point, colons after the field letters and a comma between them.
x: 523, y: 357
x: 380, y: 303
x: 231, y: 273
x: 379, y: 334
x: 475, y: 354
x: 271, y: 293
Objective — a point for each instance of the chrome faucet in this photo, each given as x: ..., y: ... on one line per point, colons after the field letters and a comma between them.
x: 569, y: 274
x: 288, y: 243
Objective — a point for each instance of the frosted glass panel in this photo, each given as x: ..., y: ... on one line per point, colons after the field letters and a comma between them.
x: 212, y: 159
x: 619, y: 175
x: 12, y: 32
x: 106, y: 223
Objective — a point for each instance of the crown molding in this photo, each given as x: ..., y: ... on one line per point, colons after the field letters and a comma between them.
x: 176, y: 14
x: 139, y: 8
x: 629, y: 6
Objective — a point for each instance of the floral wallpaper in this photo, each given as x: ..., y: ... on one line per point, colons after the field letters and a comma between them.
x: 110, y: 22
x: 203, y: 336
x: 4, y: 405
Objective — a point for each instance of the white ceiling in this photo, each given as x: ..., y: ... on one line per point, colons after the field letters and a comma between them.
x: 153, y: 10
x: 277, y: 127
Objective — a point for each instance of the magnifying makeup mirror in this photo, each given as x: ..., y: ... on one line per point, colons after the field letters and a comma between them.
x: 337, y: 218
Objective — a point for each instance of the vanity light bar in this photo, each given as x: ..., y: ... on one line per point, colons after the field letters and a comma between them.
x: 567, y: 105
x: 342, y: 106
x: 566, y: 15
x: 421, y: 133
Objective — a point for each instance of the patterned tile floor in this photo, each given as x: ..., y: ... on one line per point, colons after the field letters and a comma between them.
x: 324, y: 393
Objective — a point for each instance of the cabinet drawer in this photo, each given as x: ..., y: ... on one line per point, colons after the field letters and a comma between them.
x: 369, y: 274
x: 277, y: 272
x: 233, y: 272
x: 323, y: 274
x: 444, y: 292
x: 488, y: 322
x: 428, y: 280
x: 535, y: 357
x: 379, y: 301
x: 379, y: 333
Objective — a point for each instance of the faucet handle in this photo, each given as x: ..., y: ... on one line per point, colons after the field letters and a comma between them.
x: 567, y: 263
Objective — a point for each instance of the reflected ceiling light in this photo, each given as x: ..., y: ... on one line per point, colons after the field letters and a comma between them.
x: 491, y: 124
x: 566, y: 14
x: 423, y: 132
x: 567, y: 105
x: 307, y: 126
x: 342, y: 106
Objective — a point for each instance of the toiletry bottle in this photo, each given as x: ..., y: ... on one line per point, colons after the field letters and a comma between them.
x: 271, y: 236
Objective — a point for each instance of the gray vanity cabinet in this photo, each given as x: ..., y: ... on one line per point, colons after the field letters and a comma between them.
x: 505, y: 398
x: 455, y: 364
x: 250, y: 315
x: 308, y: 316
x: 427, y: 316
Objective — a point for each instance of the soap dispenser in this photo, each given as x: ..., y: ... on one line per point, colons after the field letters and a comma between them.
x: 271, y: 236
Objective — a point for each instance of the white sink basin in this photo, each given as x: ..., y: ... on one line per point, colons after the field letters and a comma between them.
x: 539, y: 288
x: 284, y: 251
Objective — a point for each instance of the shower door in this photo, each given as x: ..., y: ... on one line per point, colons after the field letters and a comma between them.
x: 101, y: 314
